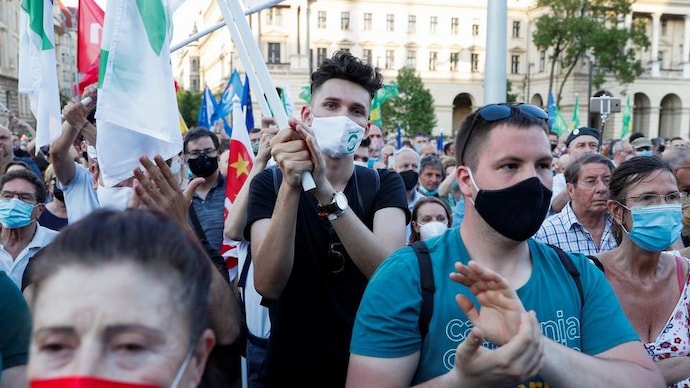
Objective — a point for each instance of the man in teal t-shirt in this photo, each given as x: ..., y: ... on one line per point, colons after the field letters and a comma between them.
x: 516, y: 298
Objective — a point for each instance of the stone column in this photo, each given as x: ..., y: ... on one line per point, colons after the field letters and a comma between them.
x: 655, y: 44
x: 686, y: 47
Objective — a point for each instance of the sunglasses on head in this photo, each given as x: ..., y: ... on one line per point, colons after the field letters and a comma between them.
x: 498, y: 112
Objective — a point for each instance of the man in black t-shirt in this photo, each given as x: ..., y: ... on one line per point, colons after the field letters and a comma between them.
x: 314, y: 252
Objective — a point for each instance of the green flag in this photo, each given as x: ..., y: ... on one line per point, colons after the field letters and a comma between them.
x: 576, y: 115
x: 627, y: 116
x: 382, y: 95
x: 305, y: 93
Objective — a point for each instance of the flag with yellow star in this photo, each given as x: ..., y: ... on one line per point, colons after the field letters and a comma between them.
x: 240, y: 162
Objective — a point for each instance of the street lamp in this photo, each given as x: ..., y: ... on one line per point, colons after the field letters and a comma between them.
x: 589, y: 90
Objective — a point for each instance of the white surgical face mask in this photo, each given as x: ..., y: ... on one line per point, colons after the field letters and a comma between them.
x: 337, y: 136
x: 114, y: 198
x: 432, y: 229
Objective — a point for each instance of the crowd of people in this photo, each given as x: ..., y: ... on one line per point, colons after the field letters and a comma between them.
x: 510, y: 256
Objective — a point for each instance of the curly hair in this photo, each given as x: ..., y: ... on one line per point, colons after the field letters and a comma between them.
x: 345, y: 66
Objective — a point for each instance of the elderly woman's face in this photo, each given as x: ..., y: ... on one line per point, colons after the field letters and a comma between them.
x: 429, y: 212
x: 116, y: 322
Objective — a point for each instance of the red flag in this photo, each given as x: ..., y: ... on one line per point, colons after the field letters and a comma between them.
x: 240, y: 162
x: 90, y: 76
x: 89, y: 28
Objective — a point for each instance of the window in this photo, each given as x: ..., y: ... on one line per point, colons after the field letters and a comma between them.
x: 542, y: 61
x: 390, y: 59
x: 411, y: 59
x: 454, y: 26
x: 273, y: 52
x: 194, y: 64
x: 660, y: 59
x: 344, y: 20
x: 433, y: 24
x: 367, y: 56
x: 344, y: 50
x: 275, y: 17
x: 515, y: 64
x: 664, y: 27
x: 322, y: 19
x: 454, y: 61
x: 411, y: 24
x: 516, y: 29
x: 194, y: 85
x: 474, y: 63
x: 475, y: 30
x: 433, y: 58
x: 367, y: 22
x: 390, y: 22
x: 321, y: 54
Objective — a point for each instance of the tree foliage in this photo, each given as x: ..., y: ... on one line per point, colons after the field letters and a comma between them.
x: 188, y: 103
x: 413, y: 109
x: 573, y: 30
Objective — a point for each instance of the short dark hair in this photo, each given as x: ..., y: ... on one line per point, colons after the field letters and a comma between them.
x: 106, y: 237
x: 29, y: 176
x: 572, y: 172
x: 677, y: 138
x: 197, y: 133
x: 481, y: 132
x: 446, y: 146
x: 345, y: 66
x: 635, y: 135
x: 255, y: 130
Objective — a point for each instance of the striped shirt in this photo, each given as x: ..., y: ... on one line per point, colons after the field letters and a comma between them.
x: 566, y: 232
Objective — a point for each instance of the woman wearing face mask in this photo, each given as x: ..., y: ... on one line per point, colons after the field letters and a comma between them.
x: 55, y: 214
x: 430, y: 217
x: 117, y: 305
x: 653, y: 286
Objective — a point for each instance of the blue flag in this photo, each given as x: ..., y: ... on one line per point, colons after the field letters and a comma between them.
x: 207, y: 109
x: 232, y: 89
x: 556, y: 120
x: 247, y: 104
x: 440, y: 142
x: 399, y: 136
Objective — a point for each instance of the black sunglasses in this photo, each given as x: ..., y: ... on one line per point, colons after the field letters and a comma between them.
x: 497, y: 112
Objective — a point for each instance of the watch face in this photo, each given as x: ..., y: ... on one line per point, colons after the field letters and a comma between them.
x: 341, y: 201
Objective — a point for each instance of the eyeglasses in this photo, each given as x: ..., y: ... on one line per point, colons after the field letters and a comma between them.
x: 24, y: 197
x: 210, y: 152
x: 335, y: 261
x: 645, y: 148
x: 591, y: 182
x: 497, y: 112
x: 656, y: 199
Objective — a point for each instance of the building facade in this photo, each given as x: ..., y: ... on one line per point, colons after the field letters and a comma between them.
x: 445, y: 42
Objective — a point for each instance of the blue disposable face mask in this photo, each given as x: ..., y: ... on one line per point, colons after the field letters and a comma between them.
x: 15, y: 213
x: 644, y: 153
x: 428, y: 193
x: 655, y: 227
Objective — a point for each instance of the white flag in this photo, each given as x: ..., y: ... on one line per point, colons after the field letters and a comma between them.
x: 137, y: 110
x: 38, y: 69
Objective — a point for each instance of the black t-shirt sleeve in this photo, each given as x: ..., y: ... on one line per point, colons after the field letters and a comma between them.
x: 392, y: 193
x: 262, y: 199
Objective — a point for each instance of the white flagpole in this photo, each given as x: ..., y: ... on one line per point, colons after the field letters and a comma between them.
x: 241, y: 34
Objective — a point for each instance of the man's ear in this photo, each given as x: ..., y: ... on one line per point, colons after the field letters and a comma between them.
x: 570, y: 189
x: 366, y: 129
x: 462, y: 175
x: 306, y: 115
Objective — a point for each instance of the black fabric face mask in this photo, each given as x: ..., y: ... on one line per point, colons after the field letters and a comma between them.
x: 203, y: 166
x: 515, y: 212
x: 410, y: 177
x: 553, y: 147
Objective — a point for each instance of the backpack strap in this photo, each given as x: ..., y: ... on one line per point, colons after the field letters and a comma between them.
x: 426, y: 280
x: 366, y: 178
x: 277, y: 179
x: 595, y: 260
x: 572, y: 270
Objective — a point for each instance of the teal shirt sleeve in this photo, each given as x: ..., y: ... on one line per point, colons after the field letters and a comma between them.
x: 387, y: 323
x: 15, y: 324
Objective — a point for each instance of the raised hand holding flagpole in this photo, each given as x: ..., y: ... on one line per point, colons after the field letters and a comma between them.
x: 256, y: 69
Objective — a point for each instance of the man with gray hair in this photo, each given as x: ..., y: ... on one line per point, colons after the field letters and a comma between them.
x: 679, y: 159
x: 405, y: 162
x: 584, y: 225
x: 621, y: 151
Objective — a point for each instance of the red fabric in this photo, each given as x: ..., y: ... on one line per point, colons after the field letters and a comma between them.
x: 89, y: 28
x: 85, y: 382
x: 90, y: 76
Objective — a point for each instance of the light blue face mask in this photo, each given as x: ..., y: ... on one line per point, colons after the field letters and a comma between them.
x: 428, y: 193
x: 644, y: 153
x: 655, y: 227
x: 15, y: 213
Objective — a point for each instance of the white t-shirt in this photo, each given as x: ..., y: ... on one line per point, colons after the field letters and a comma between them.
x: 258, y: 321
x: 80, y: 196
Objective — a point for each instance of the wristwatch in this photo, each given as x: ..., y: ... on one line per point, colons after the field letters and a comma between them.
x: 335, y: 208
